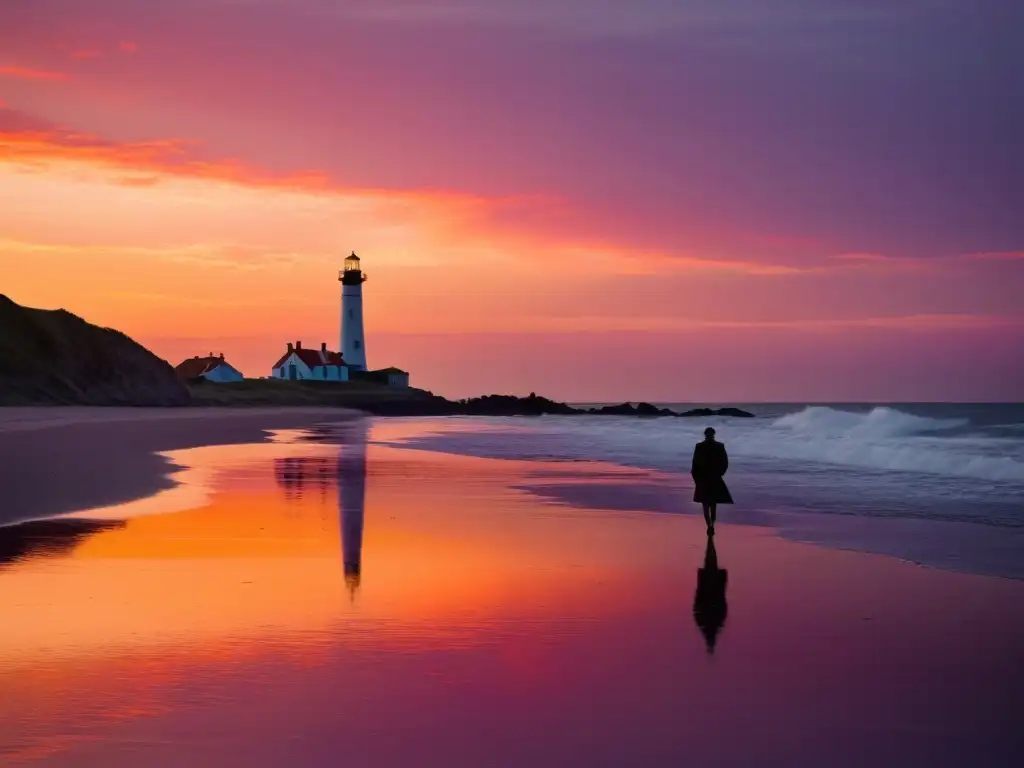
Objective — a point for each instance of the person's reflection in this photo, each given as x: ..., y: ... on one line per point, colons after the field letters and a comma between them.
x: 352, y: 500
x: 709, y: 605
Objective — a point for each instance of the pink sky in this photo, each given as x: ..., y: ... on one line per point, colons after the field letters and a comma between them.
x: 683, y: 201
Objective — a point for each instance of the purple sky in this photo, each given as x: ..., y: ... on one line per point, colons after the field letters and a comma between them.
x: 783, y: 134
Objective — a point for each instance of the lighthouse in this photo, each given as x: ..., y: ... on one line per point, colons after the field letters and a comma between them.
x: 353, y: 339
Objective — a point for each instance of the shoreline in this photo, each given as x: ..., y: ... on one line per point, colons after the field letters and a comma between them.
x: 70, y: 459
x: 105, y: 456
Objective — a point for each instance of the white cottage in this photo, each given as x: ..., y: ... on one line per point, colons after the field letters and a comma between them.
x: 211, y: 368
x: 310, y: 364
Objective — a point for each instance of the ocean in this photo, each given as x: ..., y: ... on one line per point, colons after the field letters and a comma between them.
x: 941, y: 484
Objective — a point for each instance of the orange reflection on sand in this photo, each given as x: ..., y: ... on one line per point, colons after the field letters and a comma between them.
x: 253, y: 566
x: 108, y: 632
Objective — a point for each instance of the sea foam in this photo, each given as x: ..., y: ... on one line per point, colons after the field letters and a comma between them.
x: 886, y: 439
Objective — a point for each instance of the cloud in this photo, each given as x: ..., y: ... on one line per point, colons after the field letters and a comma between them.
x: 885, y: 263
x: 910, y: 262
x: 786, y: 18
x: 86, y: 53
x: 474, y: 221
x: 601, y: 324
x: 138, y: 181
x: 921, y: 322
x: 498, y: 229
x: 128, y: 47
x: 997, y: 256
x: 871, y: 258
x: 28, y: 73
x: 232, y: 256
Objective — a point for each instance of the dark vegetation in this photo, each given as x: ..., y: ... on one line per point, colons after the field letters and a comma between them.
x: 55, y: 357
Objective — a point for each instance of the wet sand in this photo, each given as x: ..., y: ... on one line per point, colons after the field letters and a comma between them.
x: 61, y: 459
x: 372, y: 606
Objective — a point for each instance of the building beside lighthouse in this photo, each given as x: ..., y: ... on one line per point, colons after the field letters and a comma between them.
x: 299, y: 364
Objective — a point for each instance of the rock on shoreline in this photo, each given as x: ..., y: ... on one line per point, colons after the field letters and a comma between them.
x: 646, y: 409
x: 534, y: 405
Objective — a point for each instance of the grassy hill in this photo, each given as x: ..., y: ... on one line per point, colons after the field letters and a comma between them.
x: 55, y: 357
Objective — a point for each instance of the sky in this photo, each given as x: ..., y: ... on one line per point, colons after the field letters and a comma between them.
x: 597, y: 200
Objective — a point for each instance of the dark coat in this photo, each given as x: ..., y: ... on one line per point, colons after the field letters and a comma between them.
x: 710, y: 463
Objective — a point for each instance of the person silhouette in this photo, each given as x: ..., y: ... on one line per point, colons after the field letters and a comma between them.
x: 709, y: 605
x: 708, y: 468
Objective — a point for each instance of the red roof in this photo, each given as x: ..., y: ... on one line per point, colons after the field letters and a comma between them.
x: 195, y: 367
x: 313, y: 358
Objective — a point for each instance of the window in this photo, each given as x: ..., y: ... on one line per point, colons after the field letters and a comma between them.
x: 351, y: 314
x: 358, y: 344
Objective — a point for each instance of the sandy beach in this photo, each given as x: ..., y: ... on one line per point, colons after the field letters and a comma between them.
x: 345, y: 599
x: 61, y: 459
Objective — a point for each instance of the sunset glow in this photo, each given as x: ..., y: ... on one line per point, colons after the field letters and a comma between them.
x: 674, y: 201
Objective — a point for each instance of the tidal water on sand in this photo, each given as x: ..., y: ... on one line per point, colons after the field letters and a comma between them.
x: 345, y: 597
x: 937, y: 484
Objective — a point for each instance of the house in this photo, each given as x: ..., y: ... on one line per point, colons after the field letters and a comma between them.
x: 211, y: 368
x: 392, y: 377
x: 310, y: 364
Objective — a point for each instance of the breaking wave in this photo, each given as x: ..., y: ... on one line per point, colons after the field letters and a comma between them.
x: 879, y: 423
x: 887, y: 439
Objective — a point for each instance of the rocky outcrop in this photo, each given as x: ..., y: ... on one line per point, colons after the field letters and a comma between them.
x: 509, y: 405
x: 55, y: 357
x: 420, y: 403
x: 734, y: 412
x: 646, y: 409
x: 627, y: 409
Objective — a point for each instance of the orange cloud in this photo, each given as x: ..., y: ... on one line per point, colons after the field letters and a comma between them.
x: 128, y: 47
x: 139, y: 181
x: 86, y: 53
x: 178, y: 157
x: 28, y: 73
x: 471, y: 227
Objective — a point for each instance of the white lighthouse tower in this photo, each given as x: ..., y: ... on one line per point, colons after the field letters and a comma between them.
x: 353, y: 338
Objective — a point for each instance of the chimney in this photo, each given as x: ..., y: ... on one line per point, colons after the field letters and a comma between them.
x: 323, y: 347
x: 298, y: 345
x: 290, y: 348
x: 221, y: 355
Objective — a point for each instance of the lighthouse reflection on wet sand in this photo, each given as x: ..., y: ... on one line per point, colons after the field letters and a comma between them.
x: 353, y: 339
x: 352, y: 499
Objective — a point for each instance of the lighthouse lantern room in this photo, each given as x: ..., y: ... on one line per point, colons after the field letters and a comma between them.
x: 353, y: 338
